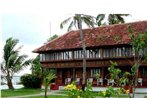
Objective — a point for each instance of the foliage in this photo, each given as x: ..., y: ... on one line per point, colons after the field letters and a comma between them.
x: 75, y: 92
x: 111, y: 19
x: 114, y: 72
x: 74, y: 21
x: 52, y: 37
x: 49, y: 74
x: 99, y: 19
x: 13, y: 62
x: 139, y: 44
x: 88, y: 92
x: 117, y: 75
x: 110, y: 91
x: 36, y: 67
x: 31, y: 81
x: 97, y: 76
x: 124, y: 78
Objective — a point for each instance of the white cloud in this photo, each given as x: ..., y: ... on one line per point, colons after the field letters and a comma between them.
x: 54, y: 11
x: 58, y: 7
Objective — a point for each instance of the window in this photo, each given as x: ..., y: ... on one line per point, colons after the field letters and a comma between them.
x: 87, y: 53
x: 67, y: 55
x: 41, y: 57
x: 75, y: 54
x: 144, y: 72
x: 95, y: 71
x: 106, y: 53
x: 98, y: 54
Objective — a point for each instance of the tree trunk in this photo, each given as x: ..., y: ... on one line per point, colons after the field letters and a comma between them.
x: 84, y: 53
x: 45, y: 96
x: 136, y: 76
x: 73, y: 72
x: 9, y: 83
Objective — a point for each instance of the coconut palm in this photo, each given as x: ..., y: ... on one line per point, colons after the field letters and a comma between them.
x: 116, y: 18
x: 111, y: 19
x: 13, y: 62
x: 76, y: 21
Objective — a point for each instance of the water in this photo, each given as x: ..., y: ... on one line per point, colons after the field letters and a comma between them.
x: 15, y: 86
x: 15, y: 81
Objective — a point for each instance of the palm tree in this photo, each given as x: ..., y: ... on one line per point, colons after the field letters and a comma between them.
x: 49, y: 74
x: 76, y: 21
x: 112, y: 19
x: 13, y: 62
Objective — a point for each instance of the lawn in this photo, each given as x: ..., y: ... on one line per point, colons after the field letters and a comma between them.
x: 19, y: 92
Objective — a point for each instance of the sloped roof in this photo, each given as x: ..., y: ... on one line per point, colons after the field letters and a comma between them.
x: 100, y: 36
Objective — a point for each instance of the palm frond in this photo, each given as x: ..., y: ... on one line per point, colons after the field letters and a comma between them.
x: 64, y: 22
x: 116, y: 18
x: 9, y: 47
x: 70, y: 26
x: 3, y: 69
x: 88, y: 20
x: 99, y: 19
x: 111, y: 19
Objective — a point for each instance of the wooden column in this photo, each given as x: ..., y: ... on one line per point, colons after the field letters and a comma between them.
x: 102, y: 74
x: 73, y: 73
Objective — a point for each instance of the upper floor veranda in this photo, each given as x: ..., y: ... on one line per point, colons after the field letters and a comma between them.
x: 95, y: 53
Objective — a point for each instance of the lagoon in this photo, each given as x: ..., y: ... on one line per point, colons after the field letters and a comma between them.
x: 15, y: 81
x: 2, y: 87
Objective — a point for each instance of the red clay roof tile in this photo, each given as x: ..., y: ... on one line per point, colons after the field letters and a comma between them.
x: 100, y: 36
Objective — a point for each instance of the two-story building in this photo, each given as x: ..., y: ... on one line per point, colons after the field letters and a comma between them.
x: 103, y: 44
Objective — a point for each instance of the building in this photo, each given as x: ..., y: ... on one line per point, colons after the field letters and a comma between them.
x: 103, y: 44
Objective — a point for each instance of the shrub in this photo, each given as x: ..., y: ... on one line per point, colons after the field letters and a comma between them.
x: 31, y: 81
x: 75, y: 92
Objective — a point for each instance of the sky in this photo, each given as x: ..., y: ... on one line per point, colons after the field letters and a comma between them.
x: 34, y: 21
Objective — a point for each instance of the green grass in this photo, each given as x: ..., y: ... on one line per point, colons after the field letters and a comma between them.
x: 23, y: 91
x: 19, y: 92
x: 145, y: 96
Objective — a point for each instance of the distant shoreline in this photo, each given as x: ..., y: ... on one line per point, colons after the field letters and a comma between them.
x: 3, y: 87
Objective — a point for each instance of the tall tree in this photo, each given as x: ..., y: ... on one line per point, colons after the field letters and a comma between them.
x: 76, y: 21
x: 139, y: 44
x: 36, y: 66
x: 101, y: 19
x: 13, y: 62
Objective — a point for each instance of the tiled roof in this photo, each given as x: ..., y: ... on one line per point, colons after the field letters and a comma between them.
x: 100, y: 36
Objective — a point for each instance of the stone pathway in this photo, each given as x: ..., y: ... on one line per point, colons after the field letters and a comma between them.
x: 140, y: 95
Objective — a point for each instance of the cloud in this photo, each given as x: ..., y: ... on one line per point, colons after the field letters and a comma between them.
x: 28, y: 20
